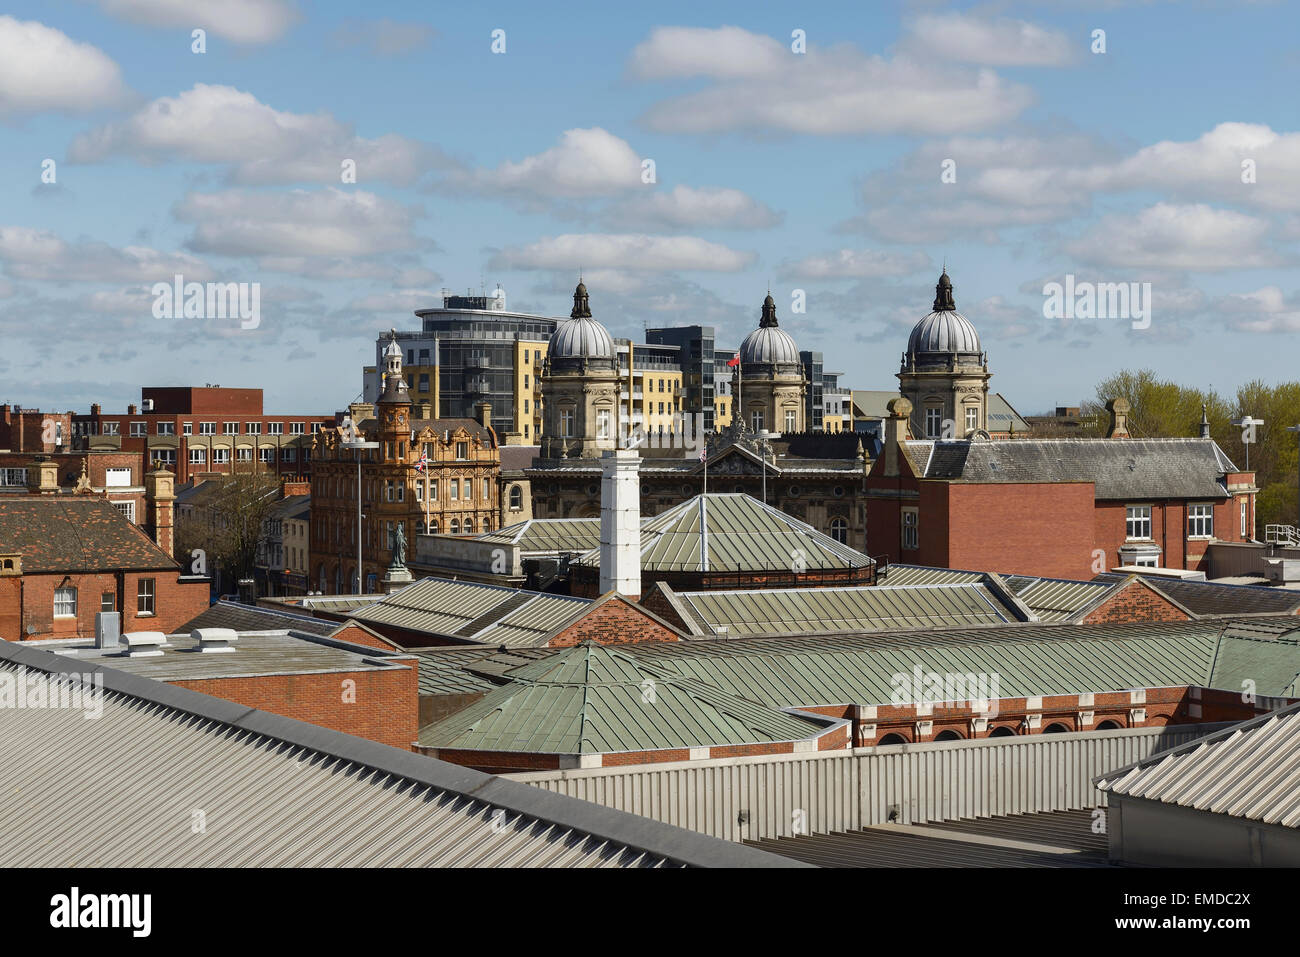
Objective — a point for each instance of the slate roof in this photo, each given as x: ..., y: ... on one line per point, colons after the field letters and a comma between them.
x: 1120, y: 469
x: 1211, y: 598
x: 1251, y: 771
x: 75, y: 533
x: 591, y: 699
x: 281, y: 793
x: 517, y: 457
x: 743, y: 535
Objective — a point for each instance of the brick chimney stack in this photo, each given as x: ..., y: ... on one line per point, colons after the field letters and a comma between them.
x: 159, y: 496
x: 484, y: 412
x: 1118, y: 409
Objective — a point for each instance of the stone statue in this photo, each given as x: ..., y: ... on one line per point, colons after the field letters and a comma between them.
x: 399, y: 547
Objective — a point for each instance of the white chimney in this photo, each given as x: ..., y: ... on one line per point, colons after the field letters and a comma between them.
x: 214, y: 640
x: 620, y: 523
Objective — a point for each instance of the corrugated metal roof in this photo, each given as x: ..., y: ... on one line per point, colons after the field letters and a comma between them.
x: 769, y: 611
x: 593, y: 700
x: 903, y: 574
x: 1249, y: 771
x: 451, y: 670
x: 229, y: 614
x: 546, y: 535
x: 743, y: 535
x: 1050, y: 599
x: 274, y: 792
x: 500, y: 615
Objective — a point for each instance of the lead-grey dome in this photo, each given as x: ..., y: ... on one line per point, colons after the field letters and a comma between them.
x: 944, y: 332
x: 580, y: 336
x: 769, y: 344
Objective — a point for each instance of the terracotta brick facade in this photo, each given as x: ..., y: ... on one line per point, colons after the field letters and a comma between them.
x: 611, y: 622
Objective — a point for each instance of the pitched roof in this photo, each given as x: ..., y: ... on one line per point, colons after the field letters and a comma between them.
x: 1217, y: 598
x: 743, y: 535
x: 279, y: 792
x: 75, y: 533
x: 860, y: 608
x: 1029, y: 661
x: 548, y: 535
x: 229, y: 614
x: 1251, y: 771
x: 474, y: 612
x: 591, y: 699
x: 1179, y: 468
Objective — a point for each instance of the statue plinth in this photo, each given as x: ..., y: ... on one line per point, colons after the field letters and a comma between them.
x: 396, y: 578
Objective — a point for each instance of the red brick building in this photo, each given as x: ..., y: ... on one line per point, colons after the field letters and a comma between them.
x: 1066, y: 508
x: 31, y: 430
x: 192, y: 431
x: 65, y: 558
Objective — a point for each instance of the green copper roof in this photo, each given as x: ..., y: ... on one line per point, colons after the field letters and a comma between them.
x: 591, y: 699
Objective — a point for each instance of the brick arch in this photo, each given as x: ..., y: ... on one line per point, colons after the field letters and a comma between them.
x: 949, y: 734
x: 893, y: 737
x: 1157, y: 720
x: 1115, y: 724
x: 1061, y: 724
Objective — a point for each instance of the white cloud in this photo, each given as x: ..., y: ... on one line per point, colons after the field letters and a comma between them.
x: 1264, y: 310
x: 622, y: 251
x: 587, y: 162
x: 689, y: 207
x: 1172, y: 236
x: 297, y: 223
x: 966, y: 38
x: 42, y: 68
x: 856, y: 264
x: 384, y: 37
x: 241, y: 21
x: 829, y: 91
x: 40, y: 254
x: 261, y: 145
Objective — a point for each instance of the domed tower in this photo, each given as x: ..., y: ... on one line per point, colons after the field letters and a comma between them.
x: 772, y: 385
x: 579, y: 386
x: 394, y: 407
x: 944, y: 372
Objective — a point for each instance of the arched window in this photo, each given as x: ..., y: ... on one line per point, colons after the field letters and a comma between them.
x: 1055, y: 728
x: 840, y: 531
x: 948, y: 735
x: 455, y: 526
x: 1002, y: 732
x: 468, y: 526
x: 892, y: 739
x: 433, y: 527
x: 516, y: 497
x: 1109, y: 726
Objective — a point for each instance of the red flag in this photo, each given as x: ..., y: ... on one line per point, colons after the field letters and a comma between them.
x: 734, y: 361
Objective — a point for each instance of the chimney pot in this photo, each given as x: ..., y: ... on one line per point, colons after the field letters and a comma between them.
x: 1119, y: 410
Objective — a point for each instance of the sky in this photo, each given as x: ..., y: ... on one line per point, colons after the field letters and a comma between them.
x: 683, y: 157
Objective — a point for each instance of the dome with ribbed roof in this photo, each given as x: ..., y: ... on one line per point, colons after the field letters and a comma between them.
x: 769, y: 344
x: 580, y: 336
x: 944, y: 334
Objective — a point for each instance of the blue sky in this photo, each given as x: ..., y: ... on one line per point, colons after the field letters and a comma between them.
x: 818, y: 172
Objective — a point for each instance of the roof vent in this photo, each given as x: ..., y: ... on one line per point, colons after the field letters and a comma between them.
x: 108, y: 629
x: 144, y: 644
x: 214, y: 640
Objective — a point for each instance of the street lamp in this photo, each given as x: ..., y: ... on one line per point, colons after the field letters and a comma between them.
x: 1296, y: 429
x: 358, y: 444
x: 1247, y: 433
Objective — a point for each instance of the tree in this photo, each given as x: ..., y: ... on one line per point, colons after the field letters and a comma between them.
x: 1162, y: 408
x: 226, y: 519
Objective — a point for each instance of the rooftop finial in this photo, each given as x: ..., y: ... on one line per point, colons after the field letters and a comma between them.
x: 769, y: 312
x: 943, y: 301
x: 581, y: 305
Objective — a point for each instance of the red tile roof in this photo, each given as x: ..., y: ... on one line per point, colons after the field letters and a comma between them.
x: 66, y: 533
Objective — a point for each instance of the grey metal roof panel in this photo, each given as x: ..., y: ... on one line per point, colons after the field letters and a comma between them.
x: 1249, y: 771
x: 275, y: 792
x: 229, y: 614
x: 1181, y: 468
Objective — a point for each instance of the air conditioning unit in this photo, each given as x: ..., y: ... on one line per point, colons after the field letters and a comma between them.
x: 146, y: 405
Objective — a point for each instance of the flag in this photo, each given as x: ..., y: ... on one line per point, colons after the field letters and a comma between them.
x: 422, y: 462
x: 704, y: 454
x: 734, y: 361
